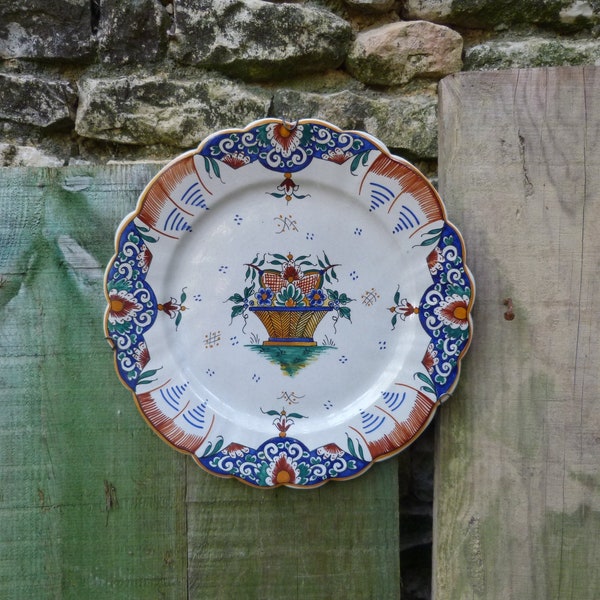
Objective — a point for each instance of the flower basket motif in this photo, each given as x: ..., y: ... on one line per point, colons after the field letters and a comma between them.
x: 291, y: 299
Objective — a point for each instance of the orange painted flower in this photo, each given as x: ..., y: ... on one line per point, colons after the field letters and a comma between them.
x: 236, y: 450
x: 291, y: 273
x: 430, y: 359
x: 236, y: 160
x: 141, y: 356
x: 454, y: 311
x: 404, y: 309
x: 337, y: 156
x: 330, y: 451
x: 281, y: 471
x: 144, y: 258
x: 288, y: 186
x: 122, y: 306
x: 285, y: 137
x: 435, y: 260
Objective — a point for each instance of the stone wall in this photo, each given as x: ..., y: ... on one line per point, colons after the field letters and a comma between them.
x: 115, y: 80
x: 99, y: 81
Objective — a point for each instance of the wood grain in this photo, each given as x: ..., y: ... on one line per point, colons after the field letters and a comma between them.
x: 517, y: 502
x: 337, y: 542
x: 92, y: 503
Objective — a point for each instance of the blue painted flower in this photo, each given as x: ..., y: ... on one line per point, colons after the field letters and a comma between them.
x: 316, y: 297
x: 264, y: 296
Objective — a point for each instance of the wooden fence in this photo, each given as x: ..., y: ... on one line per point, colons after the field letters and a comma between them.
x: 518, y: 455
x: 94, y: 505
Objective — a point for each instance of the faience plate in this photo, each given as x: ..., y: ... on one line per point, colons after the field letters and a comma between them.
x: 288, y: 303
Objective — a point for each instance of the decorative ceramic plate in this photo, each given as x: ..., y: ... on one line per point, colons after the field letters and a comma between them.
x: 288, y: 303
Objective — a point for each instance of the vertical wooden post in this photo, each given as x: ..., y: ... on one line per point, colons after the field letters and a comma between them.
x: 517, y: 509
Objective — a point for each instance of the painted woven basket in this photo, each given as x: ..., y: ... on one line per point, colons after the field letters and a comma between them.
x: 294, y: 326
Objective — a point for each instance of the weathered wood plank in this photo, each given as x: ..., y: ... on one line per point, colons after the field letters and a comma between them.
x: 336, y: 542
x: 517, y: 510
x: 92, y: 503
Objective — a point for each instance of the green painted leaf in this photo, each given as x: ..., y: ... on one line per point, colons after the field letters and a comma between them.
x: 423, y: 377
x: 147, y: 374
x: 345, y: 313
x: 351, y: 446
x: 296, y: 416
x: 178, y: 319
x: 215, y: 166
x: 148, y: 238
x: 354, y: 164
x: 219, y: 445
x: 236, y: 311
x: 280, y: 257
x: 361, y: 452
x: 237, y: 298
x: 429, y: 242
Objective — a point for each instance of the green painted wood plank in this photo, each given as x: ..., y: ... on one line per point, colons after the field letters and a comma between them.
x: 339, y: 541
x: 91, y: 506
x: 517, y: 510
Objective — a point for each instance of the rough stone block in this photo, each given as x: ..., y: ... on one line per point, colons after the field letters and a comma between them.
x: 531, y: 52
x: 27, y: 156
x: 30, y: 100
x: 580, y: 12
x: 161, y: 110
x: 132, y: 32
x: 45, y: 29
x: 437, y: 11
x: 398, y: 52
x: 405, y: 123
x: 488, y: 14
x: 256, y: 40
x: 371, y: 6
